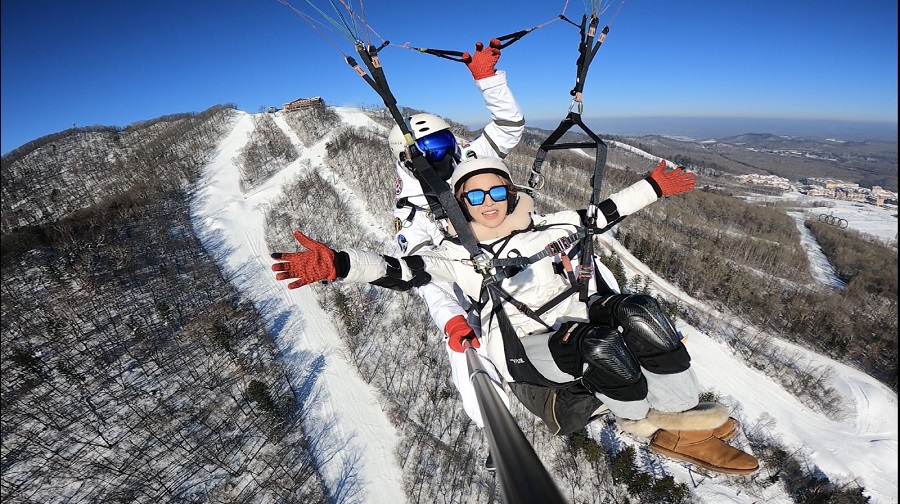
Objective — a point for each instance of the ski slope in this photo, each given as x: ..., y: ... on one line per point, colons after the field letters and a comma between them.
x: 355, y: 444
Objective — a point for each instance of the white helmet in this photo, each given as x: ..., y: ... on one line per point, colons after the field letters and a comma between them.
x: 465, y: 170
x: 419, y: 125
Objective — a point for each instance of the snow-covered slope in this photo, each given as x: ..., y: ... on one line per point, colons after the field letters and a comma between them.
x: 355, y: 443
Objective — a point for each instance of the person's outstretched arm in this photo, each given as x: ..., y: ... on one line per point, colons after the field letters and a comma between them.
x: 319, y: 263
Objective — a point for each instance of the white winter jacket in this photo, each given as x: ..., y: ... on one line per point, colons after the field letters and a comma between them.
x: 415, y: 226
x: 522, y: 234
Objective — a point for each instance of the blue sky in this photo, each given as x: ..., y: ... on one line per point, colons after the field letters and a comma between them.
x: 116, y: 62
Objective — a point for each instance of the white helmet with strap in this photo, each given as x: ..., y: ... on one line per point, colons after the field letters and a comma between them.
x: 420, y: 125
x: 469, y: 168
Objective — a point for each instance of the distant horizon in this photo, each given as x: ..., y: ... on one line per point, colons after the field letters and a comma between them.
x: 705, y: 128
x: 694, y: 128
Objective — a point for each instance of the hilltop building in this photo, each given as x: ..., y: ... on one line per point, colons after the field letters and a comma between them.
x: 302, y: 103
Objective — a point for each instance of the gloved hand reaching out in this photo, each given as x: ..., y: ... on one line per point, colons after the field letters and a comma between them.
x: 676, y: 181
x: 314, y: 265
x: 458, y: 330
x: 482, y: 63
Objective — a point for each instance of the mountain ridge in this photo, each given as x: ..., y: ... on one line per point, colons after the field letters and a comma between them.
x: 96, y: 260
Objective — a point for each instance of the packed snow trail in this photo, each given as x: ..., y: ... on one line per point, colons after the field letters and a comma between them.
x: 341, y: 412
x: 819, y: 267
x: 355, y: 444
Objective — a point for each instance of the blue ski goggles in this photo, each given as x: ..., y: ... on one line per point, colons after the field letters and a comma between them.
x: 437, y: 145
x: 476, y: 197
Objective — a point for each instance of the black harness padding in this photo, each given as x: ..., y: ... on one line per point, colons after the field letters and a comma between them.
x: 650, y: 334
x: 564, y: 410
x: 597, y: 380
x: 613, y: 370
x: 393, y: 278
x: 672, y: 362
x: 565, y: 347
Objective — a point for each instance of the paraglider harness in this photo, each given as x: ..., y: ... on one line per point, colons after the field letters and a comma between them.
x: 443, y: 204
x: 579, y: 243
x: 530, y: 480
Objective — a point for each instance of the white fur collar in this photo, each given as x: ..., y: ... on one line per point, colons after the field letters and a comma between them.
x: 518, y: 220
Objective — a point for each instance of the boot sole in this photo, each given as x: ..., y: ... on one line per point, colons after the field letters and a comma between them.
x: 678, y: 456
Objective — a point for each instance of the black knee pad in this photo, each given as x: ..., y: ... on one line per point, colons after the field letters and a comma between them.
x: 650, y: 336
x: 612, y: 369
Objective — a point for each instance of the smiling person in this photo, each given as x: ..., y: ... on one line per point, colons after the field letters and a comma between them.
x: 535, y: 330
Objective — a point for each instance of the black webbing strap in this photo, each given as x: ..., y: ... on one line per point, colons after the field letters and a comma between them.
x: 493, y: 287
x: 517, y: 362
x: 587, y: 49
x: 378, y: 81
x: 556, y: 300
x: 511, y: 38
x: 552, y: 248
x: 505, y: 41
x: 536, y: 180
x: 445, y: 196
x: 441, y: 53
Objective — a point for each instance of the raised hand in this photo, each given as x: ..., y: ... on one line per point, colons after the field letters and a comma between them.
x: 482, y: 63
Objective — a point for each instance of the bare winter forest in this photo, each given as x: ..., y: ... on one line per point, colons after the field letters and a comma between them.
x: 132, y: 371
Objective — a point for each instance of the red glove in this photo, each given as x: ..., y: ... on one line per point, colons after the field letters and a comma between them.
x: 458, y: 330
x: 482, y: 63
x: 314, y: 265
x: 676, y: 181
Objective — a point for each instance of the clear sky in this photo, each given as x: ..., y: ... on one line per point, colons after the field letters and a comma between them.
x: 112, y: 63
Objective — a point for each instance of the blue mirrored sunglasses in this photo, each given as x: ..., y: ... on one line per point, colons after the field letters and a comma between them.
x: 437, y: 145
x: 476, y: 197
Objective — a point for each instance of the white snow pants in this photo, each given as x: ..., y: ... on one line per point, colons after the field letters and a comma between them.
x: 459, y: 372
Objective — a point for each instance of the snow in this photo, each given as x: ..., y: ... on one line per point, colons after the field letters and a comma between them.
x: 359, y: 435
x: 356, y: 444
x: 875, y: 221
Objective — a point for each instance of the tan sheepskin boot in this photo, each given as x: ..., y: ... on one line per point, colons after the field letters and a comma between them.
x: 646, y: 429
x: 701, y: 448
x: 727, y: 430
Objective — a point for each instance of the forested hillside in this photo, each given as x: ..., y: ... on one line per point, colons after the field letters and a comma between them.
x: 133, y: 371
